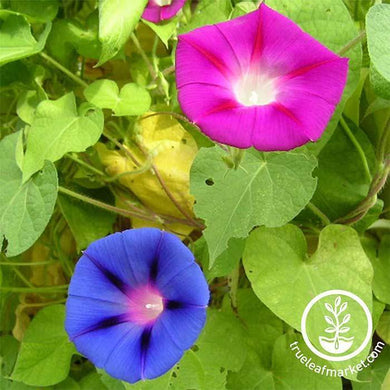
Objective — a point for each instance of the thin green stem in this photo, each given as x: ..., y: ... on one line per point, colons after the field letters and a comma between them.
x: 22, y: 277
x: 26, y: 264
x: 144, y: 56
x: 49, y: 290
x: 85, y: 165
x: 71, y: 75
x: 126, y: 213
x: 358, y: 147
x: 324, y: 219
x: 384, y: 143
x: 352, y: 43
x: 39, y: 304
x: 123, y: 148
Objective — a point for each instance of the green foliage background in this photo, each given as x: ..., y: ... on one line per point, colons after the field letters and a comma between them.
x: 93, y: 141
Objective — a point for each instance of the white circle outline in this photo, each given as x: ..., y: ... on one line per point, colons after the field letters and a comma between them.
x: 363, y: 306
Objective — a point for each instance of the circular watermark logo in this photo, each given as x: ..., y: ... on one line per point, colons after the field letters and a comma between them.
x: 336, y: 325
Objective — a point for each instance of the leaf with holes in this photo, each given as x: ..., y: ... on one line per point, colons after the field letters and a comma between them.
x: 267, y: 189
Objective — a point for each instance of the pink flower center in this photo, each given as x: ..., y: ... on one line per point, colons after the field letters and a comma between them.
x: 253, y: 89
x: 146, y: 304
x: 162, y: 3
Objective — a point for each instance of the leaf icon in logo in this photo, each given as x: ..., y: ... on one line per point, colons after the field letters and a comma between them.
x: 337, y: 301
x: 329, y: 307
x: 329, y: 320
x: 330, y: 330
x: 346, y: 319
x: 344, y: 329
x: 343, y: 306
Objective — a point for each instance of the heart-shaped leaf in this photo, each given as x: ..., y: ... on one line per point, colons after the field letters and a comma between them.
x: 25, y: 209
x: 286, y: 279
x: 131, y: 100
x: 58, y: 128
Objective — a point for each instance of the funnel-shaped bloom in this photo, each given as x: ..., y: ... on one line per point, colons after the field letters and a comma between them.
x: 137, y: 301
x: 258, y: 80
x: 159, y: 10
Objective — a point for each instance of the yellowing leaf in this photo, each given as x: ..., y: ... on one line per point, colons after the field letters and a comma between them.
x: 172, y: 150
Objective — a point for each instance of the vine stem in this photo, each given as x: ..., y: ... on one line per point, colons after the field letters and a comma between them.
x: 122, y: 147
x: 144, y: 56
x: 167, y: 190
x: 49, y: 290
x: 126, y: 213
x: 352, y: 43
x: 325, y: 220
x: 26, y: 264
x: 62, y: 68
x: 358, y: 147
x: 376, y: 186
x: 84, y: 164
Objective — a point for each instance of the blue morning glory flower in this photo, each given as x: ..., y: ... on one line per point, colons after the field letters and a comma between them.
x: 137, y: 301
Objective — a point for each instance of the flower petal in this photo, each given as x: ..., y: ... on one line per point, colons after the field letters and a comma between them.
x: 196, y: 65
x: 173, y: 257
x: 156, y: 13
x: 115, y: 347
x: 89, y: 281
x: 276, y: 130
x: 326, y: 80
x: 188, y: 286
x: 160, y: 352
x: 84, y: 315
x: 232, y: 127
x: 184, y: 324
x: 127, y: 255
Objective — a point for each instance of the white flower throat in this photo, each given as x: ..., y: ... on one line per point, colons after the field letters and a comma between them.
x: 161, y: 3
x: 255, y: 90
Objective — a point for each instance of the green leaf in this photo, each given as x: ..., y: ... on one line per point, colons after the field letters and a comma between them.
x: 164, y: 30
x: 131, y: 100
x: 9, y: 347
x: 70, y: 38
x: 383, y: 328
x: 286, y: 279
x: 381, y: 264
x: 275, y: 261
x: 225, y: 262
x: 243, y: 8
x: 267, y: 189
x: 117, y: 20
x: 221, y: 347
x: 344, y: 178
x: 44, y: 357
x: 25, y: 209
x: 284, y: 371
x: 87, y: 223
x: 330, y: 23
x: 27, y: 104
x: 16, y: 40
x: 58, y: 128
x: 40, y: 11
x: 92, y: 381
x: 262, y: 327
x: 378, y: 32
x: 208, y: 12
x: 373, y: 377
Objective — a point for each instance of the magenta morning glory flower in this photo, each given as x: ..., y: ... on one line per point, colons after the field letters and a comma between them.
x: 158, y: 10
x: 137, y: 301
x: 258, y: 80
